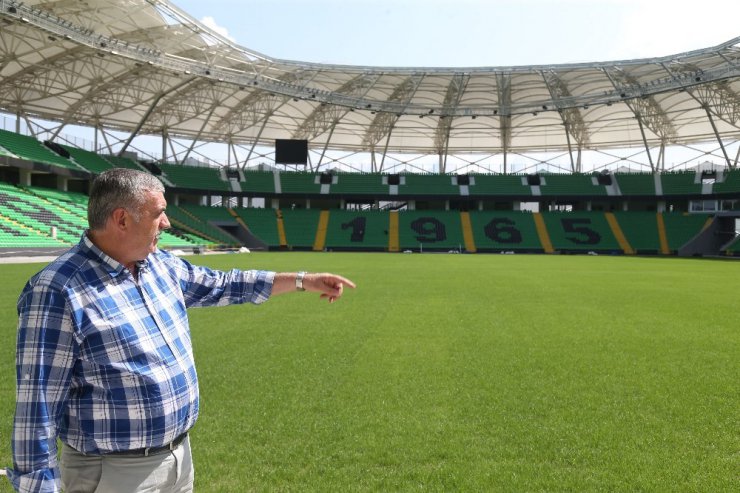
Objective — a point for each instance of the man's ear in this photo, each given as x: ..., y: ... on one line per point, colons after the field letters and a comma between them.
x: 120, y: 218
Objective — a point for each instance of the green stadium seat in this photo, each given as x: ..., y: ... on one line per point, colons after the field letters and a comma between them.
x: 91, y: 161
x: 262, y: 223
x: 570, y: 185
x: 359, y: 184
x: 680, y: 228
x: 500, y: 185
x: 189, y: 220
x: 641, y: 230
x: 300, y: 227
x: 430, y: 230
x: 680, y: 183
x: 300, y: 182
x: 634, y: 184
x: 349, y: 230
x: 426, y: 185
x: 496, y: 231
x: 580, y: 232
x: 32, y: 150
x: 730, y: 184
x: 36, y: 217
x: 258, y: 182
x: 122, y: 162
x: 194, y: 177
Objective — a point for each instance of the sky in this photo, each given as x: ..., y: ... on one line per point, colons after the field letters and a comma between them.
x: 468, y: 33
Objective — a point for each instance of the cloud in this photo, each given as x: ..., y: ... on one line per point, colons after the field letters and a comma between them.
x: 211, y: 24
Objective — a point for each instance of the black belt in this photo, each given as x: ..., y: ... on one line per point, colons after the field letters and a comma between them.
x: 146, y: 452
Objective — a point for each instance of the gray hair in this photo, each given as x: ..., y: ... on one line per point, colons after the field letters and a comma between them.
x: 119, y: 187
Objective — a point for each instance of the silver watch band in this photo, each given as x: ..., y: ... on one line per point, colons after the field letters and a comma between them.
x: 299, y: 281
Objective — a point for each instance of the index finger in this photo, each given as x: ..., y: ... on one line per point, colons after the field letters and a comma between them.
x: 345, y: 281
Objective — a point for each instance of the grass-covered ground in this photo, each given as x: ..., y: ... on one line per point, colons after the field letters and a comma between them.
x: 463, y: 373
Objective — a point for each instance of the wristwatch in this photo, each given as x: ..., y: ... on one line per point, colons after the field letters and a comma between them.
x: 299, y: 281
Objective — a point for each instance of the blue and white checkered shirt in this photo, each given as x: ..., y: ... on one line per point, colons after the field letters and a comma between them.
x: 105, y: 361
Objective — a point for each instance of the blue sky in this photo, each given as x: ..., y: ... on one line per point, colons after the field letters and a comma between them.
x: 463, y: 33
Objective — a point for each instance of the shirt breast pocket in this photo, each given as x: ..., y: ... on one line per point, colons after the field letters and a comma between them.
x: 125, y: 345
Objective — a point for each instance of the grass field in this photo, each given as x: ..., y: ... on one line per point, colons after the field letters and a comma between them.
x: 463, y: 373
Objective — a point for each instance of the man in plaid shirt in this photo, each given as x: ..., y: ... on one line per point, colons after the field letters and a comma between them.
x: 104, y: 357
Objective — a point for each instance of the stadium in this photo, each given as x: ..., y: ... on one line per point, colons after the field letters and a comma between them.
x: 540, y: 369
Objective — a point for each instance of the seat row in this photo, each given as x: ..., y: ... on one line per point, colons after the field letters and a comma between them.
x: 270, y: 183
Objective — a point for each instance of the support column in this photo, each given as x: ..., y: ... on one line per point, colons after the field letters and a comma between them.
x: 716, y: 134
x: 164, y: 145
x: 62, y: 183
x: 25, y: 177
x: 644, y: 141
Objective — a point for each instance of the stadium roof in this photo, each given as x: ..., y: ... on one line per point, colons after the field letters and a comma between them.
x: 146, y: 67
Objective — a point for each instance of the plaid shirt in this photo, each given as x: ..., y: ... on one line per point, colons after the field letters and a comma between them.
x: 105, y: 362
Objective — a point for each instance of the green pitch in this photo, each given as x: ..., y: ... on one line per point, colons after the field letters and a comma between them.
x: 463, y: 373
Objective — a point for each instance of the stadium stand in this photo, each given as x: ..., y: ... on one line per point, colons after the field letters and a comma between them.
x: 680, y: 228
x: 42, y: 215
x: 14, y: 235
x: 194, y: 177
x: 299, y: 183
x: 635, y: 184
x: 430, y: 230
x: 258, y: 182
x: 426, y: 185
x: 300, y: 227
x: 733, y: 248
x: 5, y: 152
x: 580, y: 231
x: 680, y: 183
x: 641, y: 231
x: 353, y: 230
x: 731, y: 183
x: 261, y: 223
x: 47, y: 212
x: 206, y: 213
x: 89, y: 160
x: 359, y: 184
x: 505, y: 231
x: 18, y: 226
x: 190, y: 222
x: 32, y: 150
x: 502, y: 185
x: 123, y: 162
x: 569, y: 185
x: 77, y: 202
x: 28, y: 214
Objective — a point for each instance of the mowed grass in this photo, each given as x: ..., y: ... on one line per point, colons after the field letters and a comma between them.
x: 463, y: 373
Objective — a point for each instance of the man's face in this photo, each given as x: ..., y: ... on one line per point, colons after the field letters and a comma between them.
x: 144, y: 234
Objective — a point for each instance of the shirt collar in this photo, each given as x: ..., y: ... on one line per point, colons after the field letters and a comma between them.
x: 111, y: 265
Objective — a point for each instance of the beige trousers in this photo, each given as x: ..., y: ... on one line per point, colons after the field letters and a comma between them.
x: 168, y: 472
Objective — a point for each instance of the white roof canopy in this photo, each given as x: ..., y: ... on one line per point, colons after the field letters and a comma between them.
x: 147, y: 67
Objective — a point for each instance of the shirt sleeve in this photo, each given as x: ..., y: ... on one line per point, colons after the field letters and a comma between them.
x: 207, y: 287
x: 46, y: 352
